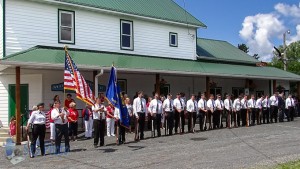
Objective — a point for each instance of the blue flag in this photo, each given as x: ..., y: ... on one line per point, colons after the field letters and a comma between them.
x: 124, y: 116
x: 111, y: 92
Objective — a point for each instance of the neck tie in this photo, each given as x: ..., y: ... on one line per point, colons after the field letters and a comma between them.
x: 156, y: 106
x: 40, y: 112
x: 291, y: 102
x: 229, y: 104
x: 180, y: 104
x: 204, y: 104
x: 142, y: 108
x: 170, y: 107
x: 213, y: 103
x: 195, y: 106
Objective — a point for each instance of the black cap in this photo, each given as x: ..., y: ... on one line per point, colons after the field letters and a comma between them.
x: 40, y: 104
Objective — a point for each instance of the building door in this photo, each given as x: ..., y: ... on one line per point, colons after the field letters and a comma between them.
x: 12, y: 101
x: 237, y: 91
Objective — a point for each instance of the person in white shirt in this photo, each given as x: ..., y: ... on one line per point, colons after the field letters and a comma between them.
x: 130, y: 112
x: 290, y: 108
x: 219, y: 112
x: 168, y: 108
x: 59, y: 115
x: 139, y: 110
x: 38, y: 119
x: 179, y: 106
x: 202, y: 106
x: 259, y: 109
x: 192, y: 110
x: 244, y: 110
x: 251, y: 105
x: 274, y: 107
x: 99, y: 114
x: 155, y: 109
x: 236, y: 107
x: 211, y: 107
x: 121, y: 132
x: 228, y: 111
x: 266, y: 109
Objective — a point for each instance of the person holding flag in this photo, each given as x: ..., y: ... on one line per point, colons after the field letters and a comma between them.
x: 113, y: 95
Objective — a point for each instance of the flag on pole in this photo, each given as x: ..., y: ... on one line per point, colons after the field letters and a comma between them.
x: 73, y: 80
x: 113, y: 94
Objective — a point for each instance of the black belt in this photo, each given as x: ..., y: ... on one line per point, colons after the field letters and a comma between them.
x: 60, y: 124
x: 40, y: 124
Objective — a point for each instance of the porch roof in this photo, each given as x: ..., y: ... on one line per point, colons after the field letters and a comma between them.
x: 53, y: 57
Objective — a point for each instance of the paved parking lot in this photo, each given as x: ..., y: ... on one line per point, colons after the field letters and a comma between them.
x: 260, y: 146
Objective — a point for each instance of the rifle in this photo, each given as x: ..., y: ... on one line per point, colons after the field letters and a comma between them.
x: 166, y: 127
x: 229, y: 119
x: 204, y: 121
x: 193, y: 128
x: 136, y: 137
x: 28, y: 143
x: 152, y: 128
x: 117, y: 134
x: 180, y: 122
x: 247, y: 118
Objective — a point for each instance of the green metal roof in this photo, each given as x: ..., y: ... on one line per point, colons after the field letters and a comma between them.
x: 40, y: 55
x: 159, y: 9
x: 221, y: 50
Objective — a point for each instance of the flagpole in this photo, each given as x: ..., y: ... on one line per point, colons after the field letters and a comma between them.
x: 66, y: 52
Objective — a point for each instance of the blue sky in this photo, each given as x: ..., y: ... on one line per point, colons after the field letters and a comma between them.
x: 264, y: 22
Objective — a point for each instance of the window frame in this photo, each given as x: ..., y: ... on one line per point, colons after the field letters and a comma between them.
x: 170, y: 39
x: 60, y: 11
x: 131, y: 48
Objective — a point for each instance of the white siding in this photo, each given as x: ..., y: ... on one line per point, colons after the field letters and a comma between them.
x: 34, y: 90
x: 1, y: 29
x: 31, y: 23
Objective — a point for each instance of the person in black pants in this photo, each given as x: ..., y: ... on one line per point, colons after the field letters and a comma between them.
x: 99, y: 114
x: 168, y: 108
x: 121, y: 128
x: 179, y: 105
x: 139, y: 109
x: 38, y: 120
x: 61, y: 126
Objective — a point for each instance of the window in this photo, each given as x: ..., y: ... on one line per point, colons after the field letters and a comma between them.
x: 173, y: 39
x: 237, y: 91
x: 215, y: 91
x: 126, y: 35
x: 66, y: 30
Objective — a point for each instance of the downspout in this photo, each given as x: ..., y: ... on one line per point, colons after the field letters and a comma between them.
x: 96, y: 81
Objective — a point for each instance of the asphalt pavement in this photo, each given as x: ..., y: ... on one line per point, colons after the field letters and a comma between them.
x: 261, y: 146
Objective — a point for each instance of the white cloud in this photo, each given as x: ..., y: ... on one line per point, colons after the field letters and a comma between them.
x: 288, y: 10
x: 261, y: 30
x: 258, y: 31
x: 295, y: 37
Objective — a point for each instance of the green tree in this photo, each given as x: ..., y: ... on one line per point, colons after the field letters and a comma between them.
x: 243, y: 47
x: 293, y: 60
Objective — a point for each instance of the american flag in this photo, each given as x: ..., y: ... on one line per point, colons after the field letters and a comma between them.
x: 73, y: 80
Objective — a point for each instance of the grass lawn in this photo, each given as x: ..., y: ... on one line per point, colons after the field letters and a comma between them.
x: 289, y: 165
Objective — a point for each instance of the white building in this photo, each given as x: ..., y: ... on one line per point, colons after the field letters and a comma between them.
x: 153, y: 44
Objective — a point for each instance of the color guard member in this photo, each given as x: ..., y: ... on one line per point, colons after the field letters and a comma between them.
x: 228, y: 111
x: 38, y: 120
x: 179, y: 105
x: 266, y: 109
x: 274, y: 107
x: 139, y: 110
x: 155, y: 109
x: 219, y: 112
x: 192, y: 110
x: 211, y: 107
x: 237, y: 111
x: 168, y: 108
x: 99, y: 113
x: 59, y: 115
x: 258, y: 107
x: 244, y: 110
x: 121, y: 132
x: 251, y: 105
x: 290, y: 107
x: 202, y: 105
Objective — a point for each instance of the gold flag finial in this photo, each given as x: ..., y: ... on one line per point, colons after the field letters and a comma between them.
x: 113, y: 64
x: 66, y: 48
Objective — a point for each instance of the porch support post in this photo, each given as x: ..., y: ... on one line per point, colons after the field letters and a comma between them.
x: 18, y: 107
x: 298, y: 89
x: 207, y: 87
x: 274, y: 87
x: 157, y: 85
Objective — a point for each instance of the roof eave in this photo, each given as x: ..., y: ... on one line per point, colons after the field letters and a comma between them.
x: 35, y: 65
x: 121, y: 13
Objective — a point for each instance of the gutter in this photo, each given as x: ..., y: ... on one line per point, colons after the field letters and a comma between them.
x: 88, y: 67
x: 96, y: 81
